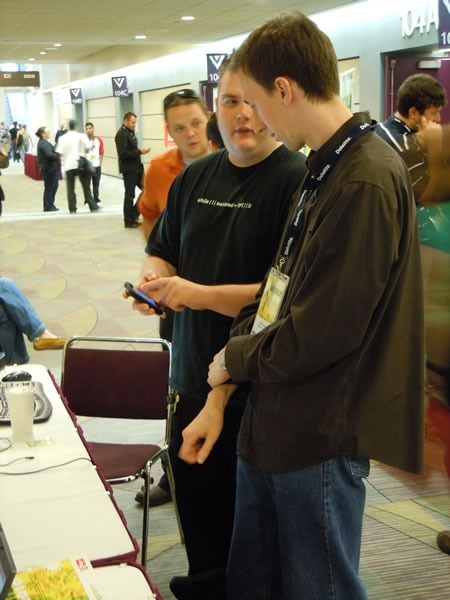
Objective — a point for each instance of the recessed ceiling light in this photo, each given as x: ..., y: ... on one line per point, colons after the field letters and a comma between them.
x: 52, y: 49
x: 31, y: 58
x: 57, y: 45
x: 140, y: 37
x: 42, y: 52
x: 188, y: 18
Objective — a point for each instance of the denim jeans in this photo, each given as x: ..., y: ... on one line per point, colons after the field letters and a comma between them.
x: 297, y: 535
x: 17, y: 317
x: 96, y: 183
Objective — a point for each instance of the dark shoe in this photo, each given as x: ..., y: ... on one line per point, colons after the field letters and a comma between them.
x: 52, y: 209
x: 158, y: 496
x: 132, y: 225
x: 210, y: 585
x: 443, y: 541
x: 73, y: 212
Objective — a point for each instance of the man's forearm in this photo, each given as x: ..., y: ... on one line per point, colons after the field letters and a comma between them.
x: 228, y: 299
x: 157, y: 265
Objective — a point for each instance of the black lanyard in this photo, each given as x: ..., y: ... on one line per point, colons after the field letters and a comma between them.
x: 312, y: 182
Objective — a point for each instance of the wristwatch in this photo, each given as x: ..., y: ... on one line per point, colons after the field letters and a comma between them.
x: 221, y: 361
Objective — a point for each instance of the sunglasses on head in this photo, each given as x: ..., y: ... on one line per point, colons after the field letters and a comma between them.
x: 185, y: 93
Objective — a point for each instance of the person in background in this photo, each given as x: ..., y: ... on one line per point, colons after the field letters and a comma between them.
x: 215, y: 141
x: 48, y: 163
x: 186, y: 118
x: 206, y: 256
x: 420, y: 99
x: 18, y: 318
x: 332, y: 347
x: 414, y: 131
x: 13, y: 141
x: 131, y: 167
x: 61, y: 131
x: 27, y: 141
x: 71, y: 146
x: 95, y: 155
x: 20, y: 145
x: 4, y: 139
x: 434, y: 234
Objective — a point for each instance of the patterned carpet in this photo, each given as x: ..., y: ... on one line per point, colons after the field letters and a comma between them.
x: 72, y: 268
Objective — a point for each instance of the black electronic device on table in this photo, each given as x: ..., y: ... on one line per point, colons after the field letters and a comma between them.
x: 42, y: 405
x: 7, y: 566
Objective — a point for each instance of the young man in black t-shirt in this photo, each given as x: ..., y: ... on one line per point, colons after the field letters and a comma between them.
x: 206, y: 256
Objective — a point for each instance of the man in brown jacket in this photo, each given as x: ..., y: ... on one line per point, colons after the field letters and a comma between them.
x: 332, y: 347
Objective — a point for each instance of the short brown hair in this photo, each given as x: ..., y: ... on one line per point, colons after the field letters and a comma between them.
x: 127, y: 116
x: 420, y: 91
x: 290, y: 45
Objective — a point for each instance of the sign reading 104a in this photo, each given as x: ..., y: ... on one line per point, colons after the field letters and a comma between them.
x: 419, y: 15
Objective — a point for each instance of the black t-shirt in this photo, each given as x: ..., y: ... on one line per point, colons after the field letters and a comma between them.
x: 221, y: 225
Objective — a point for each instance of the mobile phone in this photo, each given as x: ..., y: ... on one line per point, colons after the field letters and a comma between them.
x: 141, y: 297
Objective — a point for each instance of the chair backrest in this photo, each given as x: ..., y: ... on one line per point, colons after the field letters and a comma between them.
x: 100, y: 378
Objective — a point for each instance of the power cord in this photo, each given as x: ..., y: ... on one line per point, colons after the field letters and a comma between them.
x: 44, y: 468
x: 8, y: 441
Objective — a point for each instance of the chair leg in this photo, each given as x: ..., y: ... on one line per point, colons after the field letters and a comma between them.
x: 165, y: 460
x: 144, y: 544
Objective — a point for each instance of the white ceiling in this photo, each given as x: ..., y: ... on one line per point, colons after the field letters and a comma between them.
x: 85, y: 27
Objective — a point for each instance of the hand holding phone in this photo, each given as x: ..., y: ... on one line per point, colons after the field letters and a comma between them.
x: 141, y: 297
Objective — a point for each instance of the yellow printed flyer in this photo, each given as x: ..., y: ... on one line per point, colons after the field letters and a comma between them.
x: 53, y: 582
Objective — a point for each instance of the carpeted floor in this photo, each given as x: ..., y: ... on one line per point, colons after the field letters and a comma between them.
x: 72, y: 269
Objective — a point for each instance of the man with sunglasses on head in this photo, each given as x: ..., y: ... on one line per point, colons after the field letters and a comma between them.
x: 131, y: 167
x: 206, y: 256
x: 186, y: 118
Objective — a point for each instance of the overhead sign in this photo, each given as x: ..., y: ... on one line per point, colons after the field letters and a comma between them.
x: 214, y: 62
x: 444, y: 24
x: 76, y: 96
x: 119, y: 87
x: 19, y: 79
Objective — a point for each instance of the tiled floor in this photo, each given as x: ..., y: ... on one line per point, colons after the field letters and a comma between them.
x: 72, y: 268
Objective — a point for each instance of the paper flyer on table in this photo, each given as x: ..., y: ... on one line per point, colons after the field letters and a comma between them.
x: 54, y: 582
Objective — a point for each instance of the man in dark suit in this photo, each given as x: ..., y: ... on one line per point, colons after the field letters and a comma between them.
x: 130, y: 165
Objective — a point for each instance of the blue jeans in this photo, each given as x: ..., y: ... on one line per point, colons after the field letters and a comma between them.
x: 17, y: 317
x: 297, y: 535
